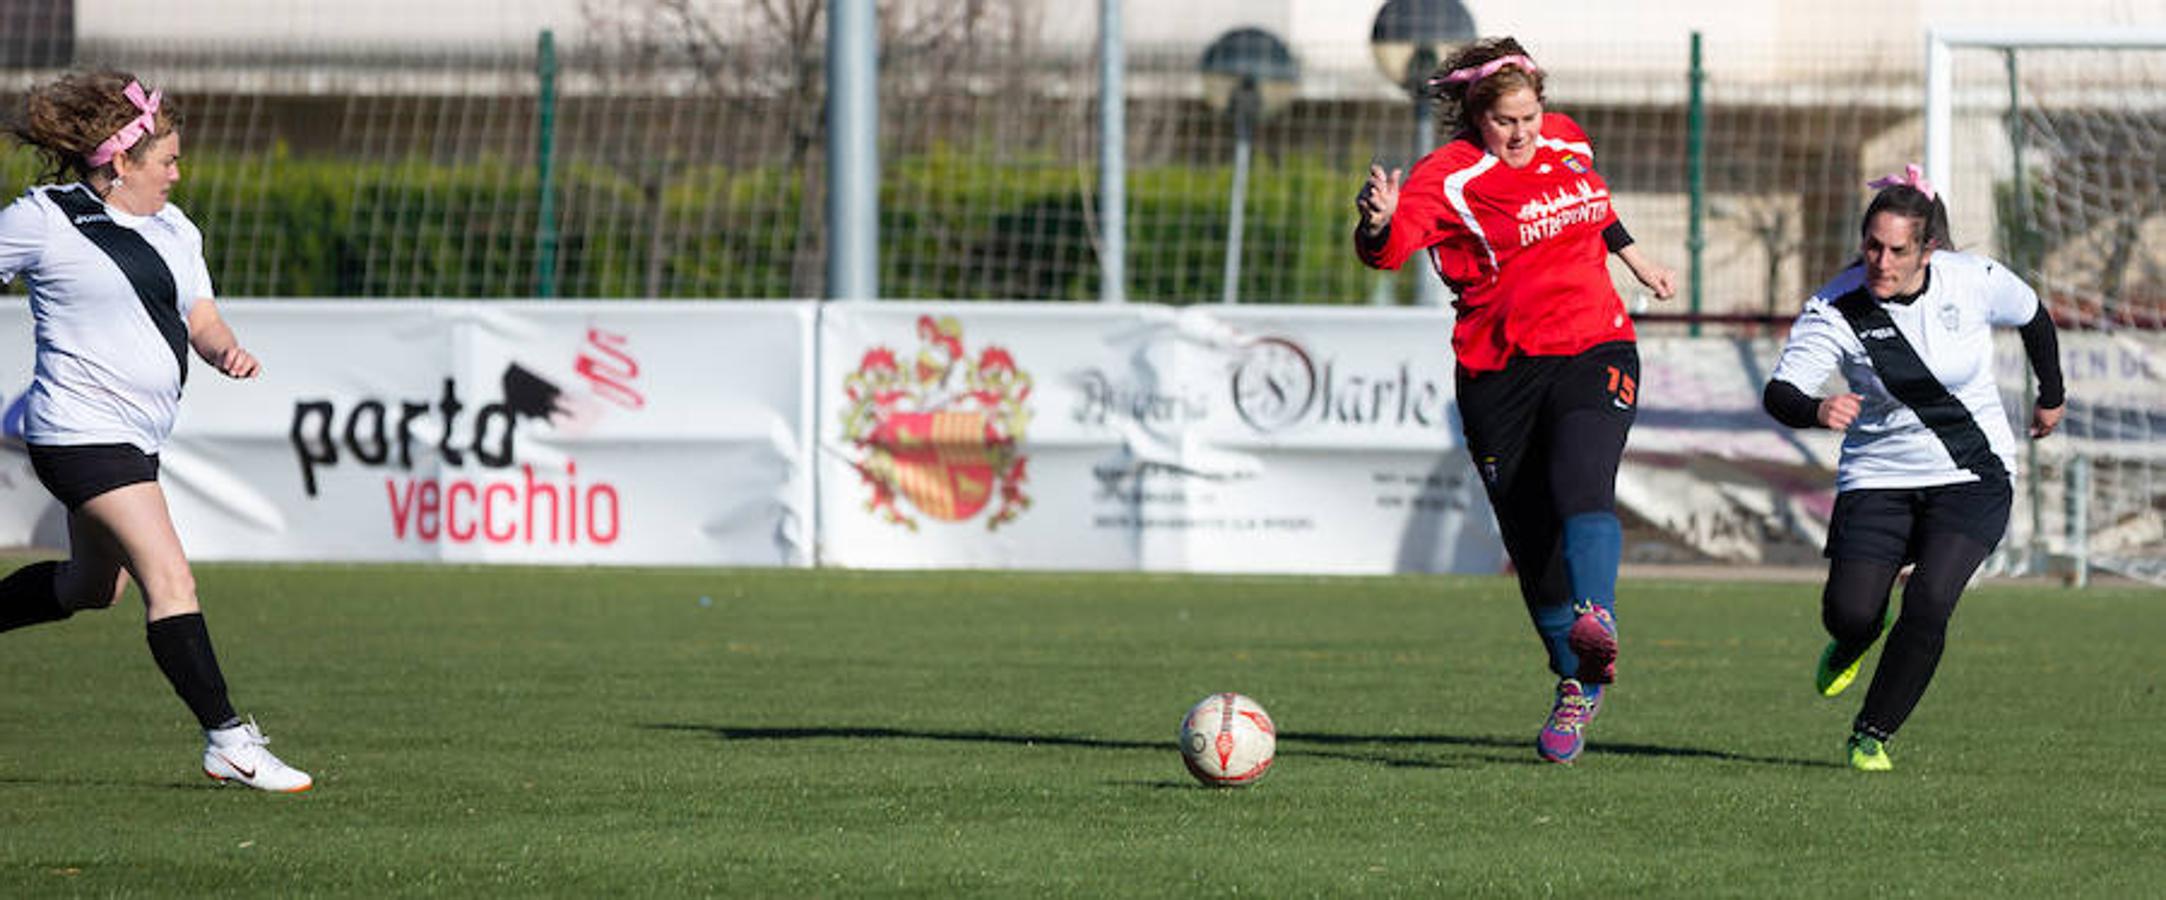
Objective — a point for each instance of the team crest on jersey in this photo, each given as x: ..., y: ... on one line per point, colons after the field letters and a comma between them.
x: 1950, y: 317
x: 943, y: 432
x: 1573, y: 162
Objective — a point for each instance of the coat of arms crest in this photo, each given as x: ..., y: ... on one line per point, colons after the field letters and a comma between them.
x: 942, y: 431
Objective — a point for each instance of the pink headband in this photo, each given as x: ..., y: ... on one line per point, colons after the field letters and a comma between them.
x: 134, y: 130
x: 1473, y: 74
x: 1912, y: 176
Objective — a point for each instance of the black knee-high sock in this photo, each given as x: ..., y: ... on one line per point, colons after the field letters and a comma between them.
x: 1945, y: 564
x: 27, y: 597
x: 182, y: 646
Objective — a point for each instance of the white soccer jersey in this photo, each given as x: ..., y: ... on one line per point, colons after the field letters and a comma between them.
x: 1931, y: 413
x: 104, y: 372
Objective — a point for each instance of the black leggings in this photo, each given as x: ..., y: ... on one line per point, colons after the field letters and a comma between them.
x: 1856, y: 602
x: 1577, y: 473
x: 1547, y: 434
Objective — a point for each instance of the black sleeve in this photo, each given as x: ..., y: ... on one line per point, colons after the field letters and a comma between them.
x: 1369, y: 245
x: 1789, y: 405
x: 1616, y: 237
x: 2041, y: 344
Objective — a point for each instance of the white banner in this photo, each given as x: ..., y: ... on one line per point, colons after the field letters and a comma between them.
x: 490, y: 432
x: 2116, y: 394
x: 1708, y: 467
x: 28, y: 515
x: 1088, y: 437
x: 1040, y: 436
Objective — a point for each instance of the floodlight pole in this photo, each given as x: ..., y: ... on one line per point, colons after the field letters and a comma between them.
x: 853, y: 158
x: 1245, y: 104
x: 1428, y: 285
x: 1112, y: 157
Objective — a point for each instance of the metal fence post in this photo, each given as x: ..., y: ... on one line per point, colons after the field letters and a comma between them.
x: 1696, y: 180
x: 545, y: 146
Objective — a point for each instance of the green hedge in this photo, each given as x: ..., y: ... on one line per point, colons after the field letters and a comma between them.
x: 952, y: 227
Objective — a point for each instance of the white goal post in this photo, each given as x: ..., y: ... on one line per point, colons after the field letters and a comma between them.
x: 1940, y: 44
x: 2075, y: 197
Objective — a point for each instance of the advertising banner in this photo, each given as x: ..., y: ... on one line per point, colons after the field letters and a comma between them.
x: 982, y: 435
x: 2116, y: 394
x: 28, y: 515
x: 495, y: 432
x: 1080, y: 437
x: 1709, y: 469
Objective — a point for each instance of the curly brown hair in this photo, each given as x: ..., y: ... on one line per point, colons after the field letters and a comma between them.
x: 66, y: 119
x: 1463, y: 103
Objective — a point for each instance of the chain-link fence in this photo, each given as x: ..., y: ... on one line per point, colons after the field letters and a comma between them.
x: 685, y: 158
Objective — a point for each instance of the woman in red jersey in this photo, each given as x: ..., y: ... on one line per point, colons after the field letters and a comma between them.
x: 1517, y: 221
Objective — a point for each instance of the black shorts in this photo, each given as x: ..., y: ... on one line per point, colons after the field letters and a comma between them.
x: 1512, y: 417
x: 1888, y: 524
x: 76, y: 473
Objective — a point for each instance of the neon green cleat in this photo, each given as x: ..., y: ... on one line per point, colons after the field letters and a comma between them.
x: 1868, y: 754
x: 1830, y: 680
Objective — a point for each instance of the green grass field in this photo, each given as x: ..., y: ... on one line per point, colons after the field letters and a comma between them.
x: 599, y: 732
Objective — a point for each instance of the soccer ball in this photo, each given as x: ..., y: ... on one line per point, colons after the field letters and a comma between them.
x: 1228, y: 740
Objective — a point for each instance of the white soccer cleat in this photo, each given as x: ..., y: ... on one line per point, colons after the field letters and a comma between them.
x: 239, y: 754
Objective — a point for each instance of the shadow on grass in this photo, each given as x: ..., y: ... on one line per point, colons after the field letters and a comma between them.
x: 1291, y: 743
x: 732, y: 733
x: 1593, y: 747
x: 130, y: 783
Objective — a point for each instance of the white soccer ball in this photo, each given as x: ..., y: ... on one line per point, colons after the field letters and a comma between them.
x: 1228, y: 740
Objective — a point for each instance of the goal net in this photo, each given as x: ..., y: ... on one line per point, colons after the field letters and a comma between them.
x: 2051, y: 150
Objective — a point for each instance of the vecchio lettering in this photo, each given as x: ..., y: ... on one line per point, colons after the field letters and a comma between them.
x: 523, y: 510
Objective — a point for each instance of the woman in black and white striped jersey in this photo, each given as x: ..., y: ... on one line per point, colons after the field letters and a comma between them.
x: 1927, y: 452
x: 120, y: 293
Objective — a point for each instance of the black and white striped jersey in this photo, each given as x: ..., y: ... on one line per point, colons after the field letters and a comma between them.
x: 106, y: 369
x: 1931, y: 411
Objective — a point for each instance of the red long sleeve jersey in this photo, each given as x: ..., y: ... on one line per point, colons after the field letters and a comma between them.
x: 1522, y: 247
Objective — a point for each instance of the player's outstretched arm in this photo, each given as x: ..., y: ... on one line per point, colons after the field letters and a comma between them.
x: 1656, y: 277
x: 214, y: 341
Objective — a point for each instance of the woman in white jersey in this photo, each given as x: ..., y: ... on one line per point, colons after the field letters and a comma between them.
x: 119, y: 293
x: 1927, y: 452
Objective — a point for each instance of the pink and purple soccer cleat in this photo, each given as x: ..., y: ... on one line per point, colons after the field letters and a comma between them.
x: 1594, y: 640
x: 1564, y: 735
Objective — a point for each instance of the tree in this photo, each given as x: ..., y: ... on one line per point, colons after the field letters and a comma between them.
x: 760, y: 66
